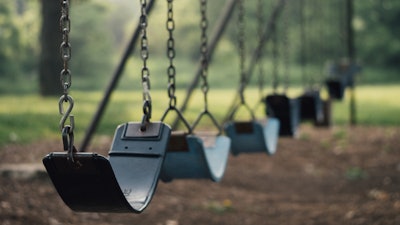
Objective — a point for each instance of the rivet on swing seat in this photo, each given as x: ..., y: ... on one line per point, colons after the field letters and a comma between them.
x: 189, y: 157
x: 286, y: 110
x: 124, y: 182
x: 253, y: 137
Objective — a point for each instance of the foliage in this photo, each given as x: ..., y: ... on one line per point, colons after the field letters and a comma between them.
x: 10, y: 47
x: 101, y: 29
x: 91, y: 42
x: 355, y: 173
x: 377, y: 32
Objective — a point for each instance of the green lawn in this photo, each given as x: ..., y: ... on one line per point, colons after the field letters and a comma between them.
x: 28, y: 118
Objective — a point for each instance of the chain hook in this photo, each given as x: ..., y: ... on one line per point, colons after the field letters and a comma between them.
x: 66, y: 114
x: 146, y: 115
x: 68, y: 142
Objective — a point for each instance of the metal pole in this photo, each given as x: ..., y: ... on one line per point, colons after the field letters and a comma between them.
x: 351, y: 56
x: 219, y: 29
x: 112, y: 84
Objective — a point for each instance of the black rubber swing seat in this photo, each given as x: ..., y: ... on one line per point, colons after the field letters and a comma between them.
x: 335, y: 88
x: 286, y: 110
x: 124, y: 182
x: 189, y: 157
x: 253, y: 137
x: 311, y: 106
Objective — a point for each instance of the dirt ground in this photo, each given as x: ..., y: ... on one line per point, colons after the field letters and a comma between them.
x: 340, y: 175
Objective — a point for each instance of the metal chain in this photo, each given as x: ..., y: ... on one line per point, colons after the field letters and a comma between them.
x: 204, y: 67
x: 286, y: 60
x: 171, y: 71
x: 275, y: 71
x: 67, y: 131
x: 147, y: 107
x: 65, y: 48
x: 204, y: 50
x: 260, y: 21
x: 303, y: 56
x: 241, y: 37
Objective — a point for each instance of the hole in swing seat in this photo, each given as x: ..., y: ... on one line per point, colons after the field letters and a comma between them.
x: 244, y: 127
x: 178, y: 142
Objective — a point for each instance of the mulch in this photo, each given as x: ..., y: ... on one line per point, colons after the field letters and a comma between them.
x: 340, y: 175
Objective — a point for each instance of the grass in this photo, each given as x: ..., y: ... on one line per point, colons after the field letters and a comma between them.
x: 376, y: 105
x: 25, y: 118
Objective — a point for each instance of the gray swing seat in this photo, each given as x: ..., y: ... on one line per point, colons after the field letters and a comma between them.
x: 123, y: 182
x: 340, y: 76
x: 253, y: 137
x: 189, y: 157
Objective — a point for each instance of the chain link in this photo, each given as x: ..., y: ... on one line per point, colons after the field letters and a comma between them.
x: 285, y: 38
x: 241, y: 39
x: 171, y: 71
x: 147, y: 107
x: 65, y: 48
x: 204, y: 67
x: 275, y: 55
x: 260, y: 21
x: 204, y: 49
x: 67, y: 131
x: 65, y: 74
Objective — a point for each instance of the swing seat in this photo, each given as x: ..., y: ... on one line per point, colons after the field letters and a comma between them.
x: 286, y: 110
x: 124, y: 182
x: 326, y: 114
x: 311, y: 106
x: 348, y: 71
x: 340, y: 76
x: 189, y: 158
x: 253, y: 137
x: 336, y: 88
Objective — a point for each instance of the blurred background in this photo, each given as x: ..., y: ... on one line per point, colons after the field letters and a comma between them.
x: 101, y: 30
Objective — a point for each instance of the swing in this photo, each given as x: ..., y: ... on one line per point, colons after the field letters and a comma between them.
x: 286, y: 110
x: 127, y: 179
x: 279, y: 105
x: 190, y: 156
x: 335, y: 88
x: 310, y: 101
x: 252, y: 137
x: 335, y: 83
x: 326, y: 114
x: 124, y: 182
x: 311, y: 106
x: 249, y: 136
x: 341, y: 73
x: 340, y: 76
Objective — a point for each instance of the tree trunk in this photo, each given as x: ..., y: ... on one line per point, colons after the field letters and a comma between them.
x: 50, y: 63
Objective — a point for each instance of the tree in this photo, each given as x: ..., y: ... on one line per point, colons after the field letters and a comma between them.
x: 377, y: 32
x: 50, y: 38
x: 9, y: 42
